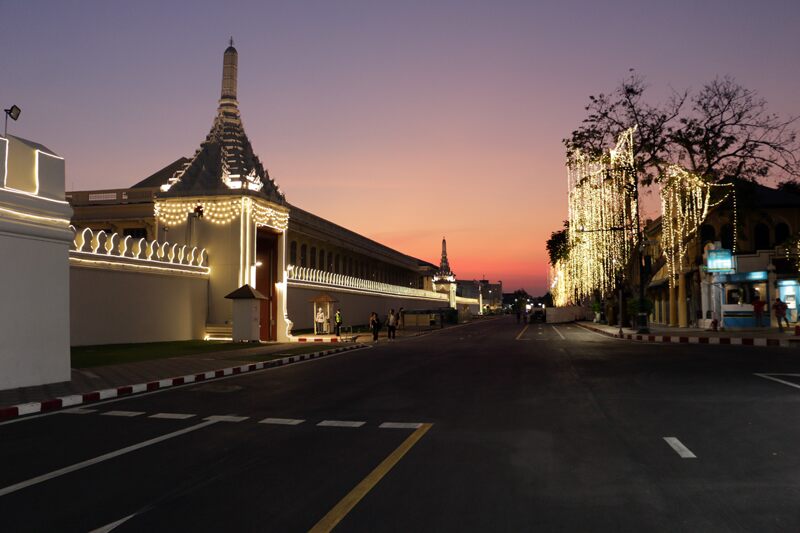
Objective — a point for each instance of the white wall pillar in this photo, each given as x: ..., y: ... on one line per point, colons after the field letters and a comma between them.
x: 34, y: 270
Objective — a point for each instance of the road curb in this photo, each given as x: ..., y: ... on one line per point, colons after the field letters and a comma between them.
x: 683, y: 339
x: 23, y: 409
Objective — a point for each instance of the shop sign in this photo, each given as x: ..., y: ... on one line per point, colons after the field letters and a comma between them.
x: 719, y: 261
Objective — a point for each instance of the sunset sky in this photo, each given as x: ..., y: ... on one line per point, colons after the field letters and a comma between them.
x: 404, y: 121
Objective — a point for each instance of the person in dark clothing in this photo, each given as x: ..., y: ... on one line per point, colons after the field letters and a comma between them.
x: 374, y: 325
x: 337, y: 322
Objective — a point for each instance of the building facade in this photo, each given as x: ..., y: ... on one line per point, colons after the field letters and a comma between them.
x: 223, y: 202
x: 750, y: 235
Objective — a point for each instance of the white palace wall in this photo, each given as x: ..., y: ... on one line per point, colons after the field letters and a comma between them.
x: 356, y: 307
x: 120, y: 306
x: 129, y: 291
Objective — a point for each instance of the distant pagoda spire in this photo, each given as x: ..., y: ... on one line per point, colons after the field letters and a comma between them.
x: 225, y: 160
x: 444, y: 273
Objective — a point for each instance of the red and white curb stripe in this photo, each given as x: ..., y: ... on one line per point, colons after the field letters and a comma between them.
x: 23, y: 409
x: 680, y: 339
x: 317, y: 339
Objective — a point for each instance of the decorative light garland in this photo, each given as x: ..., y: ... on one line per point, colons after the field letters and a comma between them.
x: 221, y: 211
x: 685, y: 201
x: 602, y: 230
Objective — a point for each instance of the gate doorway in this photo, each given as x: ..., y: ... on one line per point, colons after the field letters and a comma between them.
x: 266, y: 277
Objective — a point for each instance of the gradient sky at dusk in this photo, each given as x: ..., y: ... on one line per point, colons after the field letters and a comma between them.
x: 404, y: 121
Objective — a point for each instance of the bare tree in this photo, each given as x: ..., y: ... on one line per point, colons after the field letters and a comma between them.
x: 611, y: 114
x: 730, y: 133
x: 724, y: 130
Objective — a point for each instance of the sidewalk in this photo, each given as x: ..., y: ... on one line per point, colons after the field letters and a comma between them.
x: 110, y: 381
x: 666, y: 334
x: 102, y: 382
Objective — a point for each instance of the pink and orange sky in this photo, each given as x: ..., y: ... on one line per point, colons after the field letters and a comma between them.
x: 405, y: 121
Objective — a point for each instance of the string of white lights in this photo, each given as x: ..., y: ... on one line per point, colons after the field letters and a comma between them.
x: 220, y: 211
x: 685, y: 202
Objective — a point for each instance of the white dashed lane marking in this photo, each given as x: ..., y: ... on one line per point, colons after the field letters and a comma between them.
x: 282, y: 421
x: 400, y: 425
x: 341, y: 423
x: 79, y: 411
x: 231, y: 418
x: 172, y: 416
x: 226, y: 418
x: 679, y: 448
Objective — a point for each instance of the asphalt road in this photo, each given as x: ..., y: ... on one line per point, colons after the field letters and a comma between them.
x: 502, y: 428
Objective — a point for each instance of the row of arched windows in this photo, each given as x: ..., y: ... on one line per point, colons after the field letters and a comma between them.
x: 308, y: 255
x: 762, y: 236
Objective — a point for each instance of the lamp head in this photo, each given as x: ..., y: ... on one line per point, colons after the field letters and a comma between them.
x: 13, y: 112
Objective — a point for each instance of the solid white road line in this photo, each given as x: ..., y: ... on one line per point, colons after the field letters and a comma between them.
x: 400, y: 425
x: 559, y: 333
x: 172, y: 416
x: 521, y: 332
x: 341, y: 424
x: 282, y: 421
x: 679, y: 448
x: 113, y: 525
x: 783, y: 381
x: 123, y: 413
x: 99, y: 459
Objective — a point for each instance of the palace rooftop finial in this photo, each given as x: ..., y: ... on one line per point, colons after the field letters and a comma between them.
x: 230, y: 66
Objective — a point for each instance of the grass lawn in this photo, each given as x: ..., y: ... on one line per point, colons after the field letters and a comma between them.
x: 111, y: 354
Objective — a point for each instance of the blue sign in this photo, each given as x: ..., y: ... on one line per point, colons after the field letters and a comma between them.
x: 719, y: 261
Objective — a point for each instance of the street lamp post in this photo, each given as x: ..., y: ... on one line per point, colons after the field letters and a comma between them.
x: 12, y: 112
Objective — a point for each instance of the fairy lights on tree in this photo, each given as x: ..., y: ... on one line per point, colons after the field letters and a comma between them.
x: 602, y: 222
x: 685, y: 201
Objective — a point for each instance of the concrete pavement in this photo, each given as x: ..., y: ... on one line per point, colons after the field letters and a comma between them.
x: 659, y: 334
x: 531, y: 428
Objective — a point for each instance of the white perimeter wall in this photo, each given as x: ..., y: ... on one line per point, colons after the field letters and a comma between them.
x: 356, y: 307
x: 109, y: 306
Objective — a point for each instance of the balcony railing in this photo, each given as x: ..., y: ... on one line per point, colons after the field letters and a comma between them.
x: 112, y: 249
x: 330, y: 279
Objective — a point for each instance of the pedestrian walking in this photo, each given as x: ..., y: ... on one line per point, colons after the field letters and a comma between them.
x: 391, y: 325
x: 337, y: 322
x: 374, y: 325
x: 758, y: 310
x: 779, y: 310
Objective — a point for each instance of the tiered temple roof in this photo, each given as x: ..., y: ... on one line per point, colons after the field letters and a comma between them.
x: 225, y: 162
